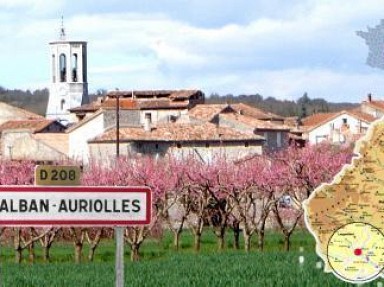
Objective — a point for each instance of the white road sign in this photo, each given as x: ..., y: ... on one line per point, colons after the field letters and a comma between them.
x: 75, y: 205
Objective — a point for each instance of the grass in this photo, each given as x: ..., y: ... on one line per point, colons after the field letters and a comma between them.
x: 162, y: 266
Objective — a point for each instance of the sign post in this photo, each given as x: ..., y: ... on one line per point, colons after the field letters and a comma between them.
x: 70, y: 176
x: 119, y: 257
x: 58, y: 204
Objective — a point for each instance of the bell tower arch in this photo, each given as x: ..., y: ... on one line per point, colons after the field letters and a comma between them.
x: 69, y: 83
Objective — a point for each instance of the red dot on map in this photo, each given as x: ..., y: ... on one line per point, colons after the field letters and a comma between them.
x: 358, y: 251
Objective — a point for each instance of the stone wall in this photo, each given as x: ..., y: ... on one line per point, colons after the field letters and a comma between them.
x: 21, y: 145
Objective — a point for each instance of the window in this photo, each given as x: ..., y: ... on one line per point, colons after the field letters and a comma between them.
x: 157, y: 146
x: 148, y: 117
x: 279, y: 141
x: 63, y: 68
x: 62, y: 104
x: 53, y: 68
x: 345, y: 121
x: 74, y: 68
x: 207, y: 145
x: 246, y: 144
x: 84, y: 64
x: 266, y: 138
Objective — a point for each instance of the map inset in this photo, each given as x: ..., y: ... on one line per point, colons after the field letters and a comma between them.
x: 347, y: 216
x: 374, y: 38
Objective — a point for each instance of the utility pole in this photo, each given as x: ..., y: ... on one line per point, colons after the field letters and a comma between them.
x: 117, y: 126
x: 119, y: 230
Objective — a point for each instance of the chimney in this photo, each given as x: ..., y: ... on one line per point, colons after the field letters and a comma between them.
x: 369, y: 97
x: 147, y: 122
x: 298, y: 123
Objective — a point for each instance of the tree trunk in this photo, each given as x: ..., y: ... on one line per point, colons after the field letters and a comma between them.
x: 18, y: 255
x: 247, y: 241
x: 221, y: 238
x: 221, y: 242
x: 176, y: 239
x: 46, y: 255
x: 197, y: 241
x: 236, y: 236
x: 135, y: 256
x: 31, y: 250
x: 17, y: 245
x: 260, y: 240
x: 78, y: 252
x: 91, y: 253
x: 287, y: 242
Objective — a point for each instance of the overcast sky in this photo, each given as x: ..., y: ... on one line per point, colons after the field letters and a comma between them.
x: 276, y: 48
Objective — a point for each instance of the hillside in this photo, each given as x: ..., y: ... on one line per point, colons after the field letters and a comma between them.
x: 36, y: 101
x: 303, y: 107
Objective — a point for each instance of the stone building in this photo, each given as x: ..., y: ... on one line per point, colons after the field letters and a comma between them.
x: 201, y: 140
x: 40, y: 140
x: 245, y: 119
x: 137, y: 109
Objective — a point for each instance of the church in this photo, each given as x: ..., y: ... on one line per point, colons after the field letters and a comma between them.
x: 133, y: 123
x: 68, y: 85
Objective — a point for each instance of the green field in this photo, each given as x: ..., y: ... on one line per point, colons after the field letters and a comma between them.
x: 161, y: 266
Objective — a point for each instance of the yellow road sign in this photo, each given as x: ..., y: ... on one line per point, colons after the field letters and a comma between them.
x: 57, y: 175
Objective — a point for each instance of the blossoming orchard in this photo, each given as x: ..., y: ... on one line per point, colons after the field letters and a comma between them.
x: 242, y: 199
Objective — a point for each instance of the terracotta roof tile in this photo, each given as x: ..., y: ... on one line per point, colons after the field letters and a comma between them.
x: 128, y: 103
x: 173, y: 94
x: 375, y: 104
x: 124, y: 103
x: 254, y: 123
x: 254, y: 112
x: 91, y: 107
x: 33, y: 125
x: 363, y: 116
x: 177, y: 132
x: 317, y: 119
x: 206, y: 112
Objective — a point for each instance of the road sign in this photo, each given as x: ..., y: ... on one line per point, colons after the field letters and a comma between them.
x: 57, y: 175
x: 74, y: 206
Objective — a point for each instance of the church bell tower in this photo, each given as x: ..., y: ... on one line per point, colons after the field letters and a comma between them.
x: 69, y: 86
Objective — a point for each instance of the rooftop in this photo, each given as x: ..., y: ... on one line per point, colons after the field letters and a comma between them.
x: 316, y: 120
x: 257, y: 113
x: 207, y: 112
x: 34, y: 125
x: 178, y: 132
x: 255, y: 123
x: 153, y: 94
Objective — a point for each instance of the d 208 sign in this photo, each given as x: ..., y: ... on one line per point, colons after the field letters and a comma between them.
x: 57, y: 175
x: 75, y: 205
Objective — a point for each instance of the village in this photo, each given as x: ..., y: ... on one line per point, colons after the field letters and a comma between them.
x: 191, y: 143
x: 157, y: 122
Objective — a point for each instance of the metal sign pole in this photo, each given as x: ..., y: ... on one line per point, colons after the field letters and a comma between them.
x: 119, y: 264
